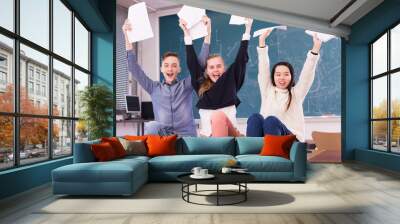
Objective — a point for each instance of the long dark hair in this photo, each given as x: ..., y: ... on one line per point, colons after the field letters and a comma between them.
x: 291, y: 84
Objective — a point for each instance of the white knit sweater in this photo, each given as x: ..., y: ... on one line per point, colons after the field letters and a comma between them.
x: 274, y: 100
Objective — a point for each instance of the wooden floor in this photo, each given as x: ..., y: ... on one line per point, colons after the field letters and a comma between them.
x: 378, y: 189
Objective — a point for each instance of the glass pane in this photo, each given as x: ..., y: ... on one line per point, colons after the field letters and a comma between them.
x: 62, y: 141
x: 81, y: 45
x: 395, y: 47
x: 62, y: 89
x: 62, y: 29
x: 395, y: 136
x: 379, y: 97
x: 395, y: 94
x: 34, y: 97
x: 7, y: 14
x: 81, y: 81
x: 33, y: 139
x: 6, y: 142
x: 379, y: 135
x: 379, y: 55
x: 6, y: 74
x: 81, y: 132
x: 35, y: 21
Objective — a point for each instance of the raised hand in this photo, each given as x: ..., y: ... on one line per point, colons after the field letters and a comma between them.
x: 127, y: 26
x: 183, y: 26
x: 207, y: 22
x: 317, y: 44
x: 249, y: 22
x: 263, y: 36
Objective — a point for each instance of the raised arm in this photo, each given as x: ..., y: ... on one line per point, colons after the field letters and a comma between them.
x: 205, y: 48
x: 195, y: 69
x: 308, y: 72
x: 242, y: 56
x: 133, y: 67
x: 264, y: 74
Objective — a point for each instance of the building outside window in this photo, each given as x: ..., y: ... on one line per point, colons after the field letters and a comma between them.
x: 58, y: 134
x: 30, y: 87
x: 3, y: 78
x: 30, y: 72
x: 3, y: 72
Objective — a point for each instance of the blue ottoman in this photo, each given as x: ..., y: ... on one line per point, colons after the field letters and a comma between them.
x: 118, y: 177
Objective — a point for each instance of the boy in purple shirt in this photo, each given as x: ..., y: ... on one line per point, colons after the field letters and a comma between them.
x: 172, y: 98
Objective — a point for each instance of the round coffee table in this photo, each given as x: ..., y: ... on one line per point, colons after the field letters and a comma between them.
x: 238, y: 179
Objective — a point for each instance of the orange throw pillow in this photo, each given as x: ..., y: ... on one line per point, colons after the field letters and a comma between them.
x: 161, y: 145
x: 136, y: 138
x: 103, y: 152
x: 116, y: 145
x: 276, y: 145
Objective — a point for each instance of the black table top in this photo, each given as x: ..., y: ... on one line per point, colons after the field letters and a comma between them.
x: 220, y: 178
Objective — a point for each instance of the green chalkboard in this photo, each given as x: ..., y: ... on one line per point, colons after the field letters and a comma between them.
x: 290, y: 45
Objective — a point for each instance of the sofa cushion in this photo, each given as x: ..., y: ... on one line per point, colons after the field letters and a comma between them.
x: 206, y: 145
x: 185, y: 163
x: 134, y: 147
x: 277, y: 145
x: 134, y: 137
x: 112, y: 171
x: 116, y: 145
x: 161, y: 145
x: 249, y: 145
x: 103, y: 152
x: 257, y: 163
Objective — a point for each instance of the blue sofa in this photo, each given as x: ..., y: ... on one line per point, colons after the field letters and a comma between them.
x: 125, y: 176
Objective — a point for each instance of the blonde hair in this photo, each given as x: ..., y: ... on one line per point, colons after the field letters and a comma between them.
x: 207, y: 83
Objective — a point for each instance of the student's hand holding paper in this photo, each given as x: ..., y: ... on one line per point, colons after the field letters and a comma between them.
x: 248, y: 24
x: 127, y: 27
x: 183, y: 26
x: 207, y: 22
x: 263, y: 36
x: 317, y: 44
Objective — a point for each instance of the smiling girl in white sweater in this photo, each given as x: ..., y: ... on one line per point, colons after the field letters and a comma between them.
x: 281, y: 111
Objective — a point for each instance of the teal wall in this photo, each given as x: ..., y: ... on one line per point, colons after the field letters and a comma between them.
x: 99, y: 16
x: 356, y: 100
x: 24, y: 178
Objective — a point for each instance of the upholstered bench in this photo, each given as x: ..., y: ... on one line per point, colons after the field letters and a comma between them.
x: 88, y: 177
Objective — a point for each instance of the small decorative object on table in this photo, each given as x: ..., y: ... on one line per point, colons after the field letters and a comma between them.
x: 230, y: 166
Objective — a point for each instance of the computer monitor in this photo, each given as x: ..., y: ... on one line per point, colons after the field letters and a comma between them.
x: 132, y: 105
x: 147, y: 111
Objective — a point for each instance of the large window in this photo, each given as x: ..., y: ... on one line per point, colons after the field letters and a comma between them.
x: 40, y: 80
x: 385, y: 93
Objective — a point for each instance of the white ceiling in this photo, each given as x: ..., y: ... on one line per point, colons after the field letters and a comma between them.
x: 152, y: 5
x: 328, y: 16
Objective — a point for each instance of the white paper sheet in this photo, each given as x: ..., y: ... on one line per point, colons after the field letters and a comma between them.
x: 199, y: 30
x: 191, y: 15
x: 322, y: 36
x: 139, y: 19
x: 237, y: 20
x: 261, y: 31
